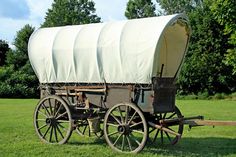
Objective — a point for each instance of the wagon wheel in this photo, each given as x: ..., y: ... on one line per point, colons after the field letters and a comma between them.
x: 82, y: 128
x: 52, y: 120
x: 125, y: 128
x: 163, y: 136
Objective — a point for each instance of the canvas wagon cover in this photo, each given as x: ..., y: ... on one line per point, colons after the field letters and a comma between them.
x: 129, y: 51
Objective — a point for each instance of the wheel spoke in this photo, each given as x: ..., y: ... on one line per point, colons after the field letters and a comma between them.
x: 50, y: 139
x: 137, y: 131
x: 41, y: 120
x: 55, y: 107
x: 113, y: 133
x: 164, y: 115
x: 85, y: 127
x: 42, y: 127
x: 162, y: 137
x: 55, y: 132
x: 132, y: 118
x: 172, y: 115
x: 48, y: 113
x: 117, y: 120
x: 63, y: 121
x: 121, y: 115
x: 46, y: 131
x: 59, y: 132
x: 156, y: 135
x: 58, y: 110
x: 42, y: 114
x: 168, y: 136
x: 117, y: 140
x: 64, y: 129
x: 60, y: 115
x: 152, y: 130
x: 130, y: 146
x: 50, y: 106
x: 170, y: 129
x: 123, y: 142
x: 110, y: 124
x: 134, y: 139
x: 127, y: 114
x: 136, y: 124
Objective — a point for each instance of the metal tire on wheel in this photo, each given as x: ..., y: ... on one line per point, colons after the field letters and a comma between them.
x: 125, y: 128
x: 163, y: 136
x: 52, y: 120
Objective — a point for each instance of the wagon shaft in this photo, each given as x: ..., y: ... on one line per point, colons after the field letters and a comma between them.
x: 164, y: 129
x: 198, y: 122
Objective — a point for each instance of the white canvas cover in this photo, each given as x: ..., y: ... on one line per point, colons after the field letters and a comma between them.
x: 130, y: 51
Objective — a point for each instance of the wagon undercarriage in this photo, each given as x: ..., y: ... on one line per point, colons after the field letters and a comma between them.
x: 125, y: 126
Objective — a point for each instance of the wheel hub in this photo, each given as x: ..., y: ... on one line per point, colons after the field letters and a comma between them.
x: 51, y: 121
x: 124, y: 129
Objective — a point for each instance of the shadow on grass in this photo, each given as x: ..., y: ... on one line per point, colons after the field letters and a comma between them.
x: 210, y: 146
x: 87, y: 140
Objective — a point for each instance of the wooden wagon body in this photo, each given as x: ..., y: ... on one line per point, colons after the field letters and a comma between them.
x: 120, y: 74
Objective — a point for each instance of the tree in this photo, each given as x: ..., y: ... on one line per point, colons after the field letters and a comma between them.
x: 139, y: 9
x: 224, y: 12
x: 19, y: 56
x: 204, y: 69
x: 17, y: 78
x: 179, y: 6
x: 71, y: 12
x: 4, y: 47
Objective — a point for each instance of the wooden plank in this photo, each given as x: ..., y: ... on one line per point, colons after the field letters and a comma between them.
x: 209, y: 123
x: 91, y: 90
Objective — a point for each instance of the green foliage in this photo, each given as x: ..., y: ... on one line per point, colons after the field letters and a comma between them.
x: 71, y: 12
x: 4, y: 47
x: 178, y: 6
x: 224, y: 12
x: 19, y: 56
x: 17, y: 78
x: 139, y: 9
x: 204, y: 69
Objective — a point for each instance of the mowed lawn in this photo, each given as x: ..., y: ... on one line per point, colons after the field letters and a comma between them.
x: 18, y: 138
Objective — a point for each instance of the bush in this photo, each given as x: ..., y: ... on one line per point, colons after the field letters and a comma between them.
x: 18, y: 84
x: 204, y: 95
x: 219, y: 96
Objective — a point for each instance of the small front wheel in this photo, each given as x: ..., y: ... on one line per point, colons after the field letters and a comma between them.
x: 52, y: 120
x: 125, y: 128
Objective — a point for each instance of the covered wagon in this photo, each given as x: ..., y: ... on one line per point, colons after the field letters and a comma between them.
x: 115, y: 78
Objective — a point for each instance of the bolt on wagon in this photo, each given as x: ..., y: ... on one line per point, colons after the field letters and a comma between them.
x: 114, y: 79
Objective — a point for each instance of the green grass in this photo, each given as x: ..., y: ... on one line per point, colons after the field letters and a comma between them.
x: 18, y: 138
